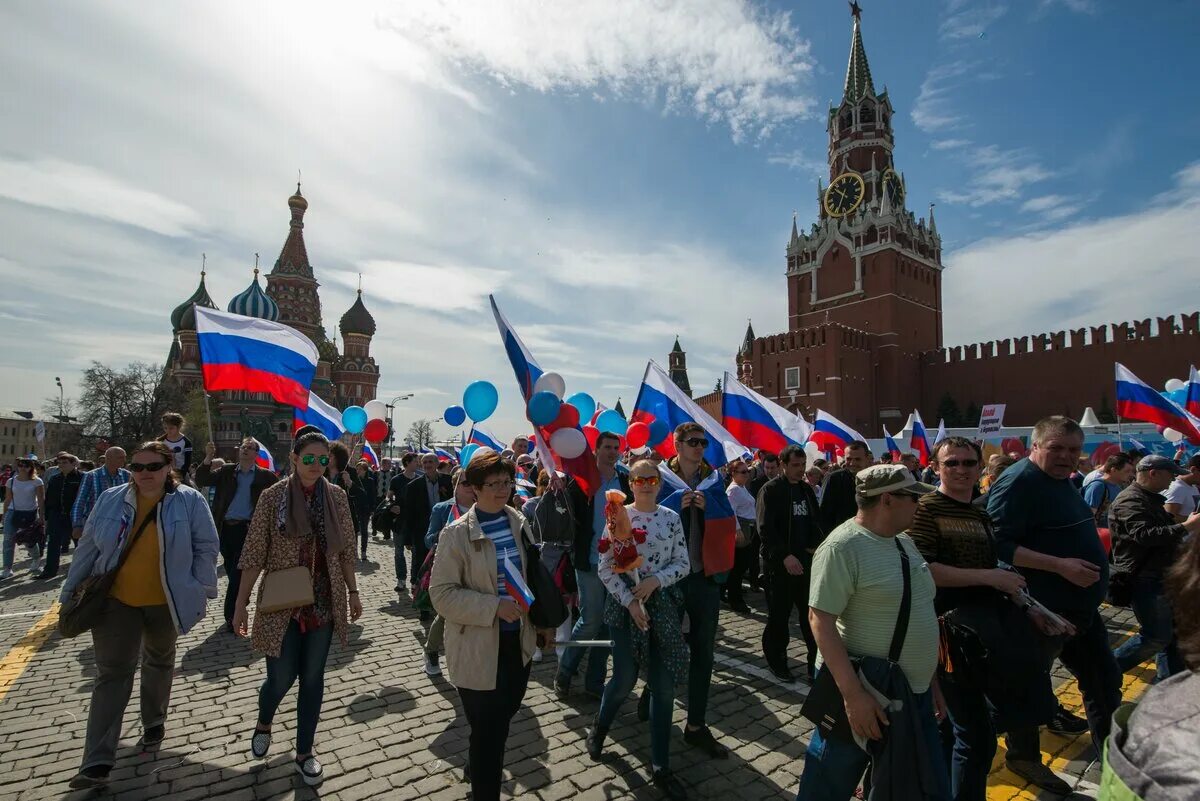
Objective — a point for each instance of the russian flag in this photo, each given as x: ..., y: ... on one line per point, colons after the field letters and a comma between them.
x: 445, y: 455
x: 514, y: 584
x: 264, y: 458
x: 830, y: 433
x: 1138, y: 401
x: 485, y: 439
x: 720, y: 524
x: 253, y: 355
x: 757, y: 422
x: 319, y: 414
x: 660, y: 399
x: 891, y: 445
x: 919, y: 441
x: 1192, y: 403
x: 369, y: 455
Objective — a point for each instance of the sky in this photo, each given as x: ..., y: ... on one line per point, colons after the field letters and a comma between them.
x: 616, y: 172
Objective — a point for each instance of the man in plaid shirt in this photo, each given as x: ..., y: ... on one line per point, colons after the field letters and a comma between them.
x: 111, y: 474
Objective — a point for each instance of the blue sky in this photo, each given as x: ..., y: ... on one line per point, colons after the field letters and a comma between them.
x: 617, y: 172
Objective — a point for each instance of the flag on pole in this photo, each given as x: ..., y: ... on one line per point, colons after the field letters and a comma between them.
x: 1136, y: 400
x: 253, y: 355
x: 369, y: 455
x: 1192, y: 402
x: 485, y: 439
x: 758, y: 422
x: 941, y: 432
x: 264, y: 458
x: 660, y: 399
x: 891, y: 445
x: 830, y: 433
x: 919, y: 441
x: 319, y: 414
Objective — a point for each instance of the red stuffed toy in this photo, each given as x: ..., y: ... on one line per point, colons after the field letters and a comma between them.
x: 622, y: 537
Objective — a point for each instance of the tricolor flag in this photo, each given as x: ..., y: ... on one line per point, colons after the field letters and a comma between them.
x: 941, y: 432
x: 891, y: 446
x: 600, y: 407
x: 445, y: 455
x: 1192, y: 403
x: 264, y: 458
x: 830, y: 433
x: 919, y: 441
x: 660, y: 399
x: 253, y: 355
x: 319, y: 414
x: 369, y: 455
x: 757, y: 422
x: 1138, y: 448
x: 1138, y: 401
x: 514, y: 584
x: 720, y: 524
x: 485, y: 439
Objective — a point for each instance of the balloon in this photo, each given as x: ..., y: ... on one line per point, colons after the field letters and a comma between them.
x: 585, y: 404
x: 454, y: 415
x: 611, y: 420
x: 552, y: 383
x: 1175, y: 384
x: 813, y: 452
x: 466, y: 453
x: 659, y: 430
x: 543, y: 408
x: 375, y: 409
x: 354, y: 419
x: 480, y: 400
x: 622, y: 444
x: 375, y: 430
x: 1176, y: 396
x: 637, y: 435
x: 568, y: 442
x: 568, y: 417
x: 1171, y: 435
x: 591, y: 433
x: 1160, y: 429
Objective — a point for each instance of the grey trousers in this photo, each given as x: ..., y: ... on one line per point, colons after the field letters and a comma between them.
x: 435, y: 640
x: 122, y: 634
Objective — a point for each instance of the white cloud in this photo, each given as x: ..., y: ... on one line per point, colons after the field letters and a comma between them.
x: 1053, y: 208
x: 949, y: 144
x: 966, y: 20
x: 800, y: 161
x: 449, y: 288
x: 1001, y: 176
x: 934, y: 109
x: 1078, y: 6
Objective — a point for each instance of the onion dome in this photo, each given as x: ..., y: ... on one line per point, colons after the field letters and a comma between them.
x: 184, y: 316
x: 254, y: 302
x: 357, y: 320
x: 297, y: 201
x: 327, y: 350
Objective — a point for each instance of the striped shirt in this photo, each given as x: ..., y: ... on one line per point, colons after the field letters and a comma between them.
x: 95, y: 482
x: 499, y: 531
x: 954, y: 534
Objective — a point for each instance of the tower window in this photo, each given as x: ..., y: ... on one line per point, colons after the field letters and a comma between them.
x: 791, y: 378
x: 866, y: 114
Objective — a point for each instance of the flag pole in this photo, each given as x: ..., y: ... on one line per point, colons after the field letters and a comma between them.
x: 207, y: 410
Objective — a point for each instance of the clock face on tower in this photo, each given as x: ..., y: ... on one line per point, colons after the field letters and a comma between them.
x: 844, y: 194
x: 894, y: 188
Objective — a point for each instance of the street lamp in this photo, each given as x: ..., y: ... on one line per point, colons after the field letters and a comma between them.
x: 58, y: 381
x: 388, y: 448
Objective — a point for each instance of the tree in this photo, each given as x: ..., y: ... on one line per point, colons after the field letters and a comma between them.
x: 948, y: 410
x: 124, y: 405
x: 197, y: 418
x: 971, y: 415
x: 420, y: 433
x: 51, y: 408
x: 1105, y: 413
x: 718, y: 388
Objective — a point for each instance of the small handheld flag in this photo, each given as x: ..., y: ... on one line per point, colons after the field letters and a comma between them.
x: 514, y: 584
x: 919, y: 441
x: 264, y: 458
x: 369, y: 455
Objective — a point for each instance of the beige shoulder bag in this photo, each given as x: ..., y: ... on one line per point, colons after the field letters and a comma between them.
x: 289, y: 588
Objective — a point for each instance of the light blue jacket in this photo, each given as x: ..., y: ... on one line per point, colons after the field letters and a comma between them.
x: 187, y: 544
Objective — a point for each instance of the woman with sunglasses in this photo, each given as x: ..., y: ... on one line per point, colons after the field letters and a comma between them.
x: 303, y: 521
x: 160, y: 538
x: 26, y: 496
x: 644, y: 620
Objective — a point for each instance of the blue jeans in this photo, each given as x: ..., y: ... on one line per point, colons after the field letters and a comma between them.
x: 702, y: 603
x: 974, y: 741
x: 662, y: 695
x: 303, y: 656
x: 833, y: 768
x: 13, y: 520
x: 1156, y: 636
x: 401, y: 567
x: 589, y: 626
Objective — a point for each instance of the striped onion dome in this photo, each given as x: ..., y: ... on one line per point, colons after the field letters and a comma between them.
x: 254, y: 302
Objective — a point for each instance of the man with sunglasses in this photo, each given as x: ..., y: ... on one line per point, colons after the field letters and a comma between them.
x: 237, y: 489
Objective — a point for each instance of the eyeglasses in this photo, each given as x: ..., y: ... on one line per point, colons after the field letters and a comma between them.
x: 499, y: 486
x: 960, y: 463
x: 309, y: 458
x: 152, y: 467
x: 696, y: 442
x: 740, y: 472
x: 645, y: 481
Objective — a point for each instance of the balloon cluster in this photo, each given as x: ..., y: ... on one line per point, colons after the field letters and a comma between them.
x: 370, y: 420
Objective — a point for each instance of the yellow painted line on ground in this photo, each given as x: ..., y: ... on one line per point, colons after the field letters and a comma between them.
x: 20, y: 655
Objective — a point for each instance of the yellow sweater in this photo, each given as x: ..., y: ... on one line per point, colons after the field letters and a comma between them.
x: 139, y: 581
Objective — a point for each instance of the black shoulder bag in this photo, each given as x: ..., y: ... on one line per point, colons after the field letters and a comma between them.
x: 825, y: 707
x: 82, y: 610
x: 548, y: 610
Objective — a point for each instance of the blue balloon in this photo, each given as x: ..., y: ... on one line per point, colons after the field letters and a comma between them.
x: 354, y: 419
x: 611, y: 420
x: 1179, y: 396
x: 466, y: 453
x: 455, y: 416
x: 586, y: 405
x: 658, y: 431
x: 543, y: 408
x: 480, y: 399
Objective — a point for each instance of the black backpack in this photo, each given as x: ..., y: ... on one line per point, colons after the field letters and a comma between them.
x: 553, y: 519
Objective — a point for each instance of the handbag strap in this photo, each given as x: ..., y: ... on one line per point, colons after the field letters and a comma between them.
x: 138, y: 532
x: 901, y: 630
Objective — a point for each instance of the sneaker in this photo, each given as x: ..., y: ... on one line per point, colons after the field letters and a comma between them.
x: 562, y: 687
x: 702, y: 738
x: 1066, y: 724
x: 45, y: 575
x: 1038, y: 775
x: 537, y: 655
x: 739, y: 607
x: 310, y: 770
x: 671, y: 787
x: 432, y: 667
x: 595, y: 739
x: 260, y: 743
x: 35, y: 566
x: 152, y: 738
x: 95, y: 776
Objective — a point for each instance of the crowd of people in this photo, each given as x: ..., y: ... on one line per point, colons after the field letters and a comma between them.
x: 932, y: 600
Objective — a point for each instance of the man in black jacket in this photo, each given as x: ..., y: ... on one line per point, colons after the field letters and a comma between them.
x: 238, y: 487
x: 420, y: 496
x: 61, y: 490
x: 790, y: 533
x: 1145, y: 537
x: 837, y: 493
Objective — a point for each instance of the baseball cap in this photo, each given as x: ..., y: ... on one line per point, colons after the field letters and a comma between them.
x: 1156, y: 462
x: 880, y: 478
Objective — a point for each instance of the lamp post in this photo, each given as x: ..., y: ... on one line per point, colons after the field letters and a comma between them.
x: 389, y: 449
x: 58, y: 381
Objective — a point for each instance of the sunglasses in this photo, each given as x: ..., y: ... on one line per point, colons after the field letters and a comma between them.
x: 960, y: 463
x: 696, y: 442
x: 152, y: 467
x: 309, y: 458
x: 645, y: 481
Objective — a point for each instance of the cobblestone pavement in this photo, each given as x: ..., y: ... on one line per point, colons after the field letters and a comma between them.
x: 388, y: 730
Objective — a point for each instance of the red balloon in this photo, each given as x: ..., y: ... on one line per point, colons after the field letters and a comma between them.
x: 637, y: 435
x: 568, y: 416
x: 622, y: 444
x: 592, y: 433
x: 375, y: 431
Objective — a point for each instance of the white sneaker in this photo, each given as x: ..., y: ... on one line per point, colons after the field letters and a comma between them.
x: 537, y: 655
x: 432, y: 666
x: 36, y: 565
x: 310, y: 770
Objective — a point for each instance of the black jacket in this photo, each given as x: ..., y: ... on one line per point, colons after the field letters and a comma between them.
x: 417, y: 508
x: 60, y: 494
x: 837, y: 499
x: 775, y: 521
x: 585, y: 510
x: 1144, y: 534
x: 225, y: 480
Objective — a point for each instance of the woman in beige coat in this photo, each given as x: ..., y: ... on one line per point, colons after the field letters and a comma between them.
x: 489, y: 641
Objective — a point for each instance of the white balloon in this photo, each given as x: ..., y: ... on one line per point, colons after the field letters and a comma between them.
x: 552, y: 383
x: 1174, y: 384
x: 375, y: 409
x: 568, y: 442
x: 812, y: 452
x: 1171, y: 435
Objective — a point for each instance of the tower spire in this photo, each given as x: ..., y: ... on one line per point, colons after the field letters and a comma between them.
x: 858, y: 72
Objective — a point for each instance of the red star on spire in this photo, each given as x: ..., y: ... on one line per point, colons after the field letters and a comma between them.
x: 855, y: 9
